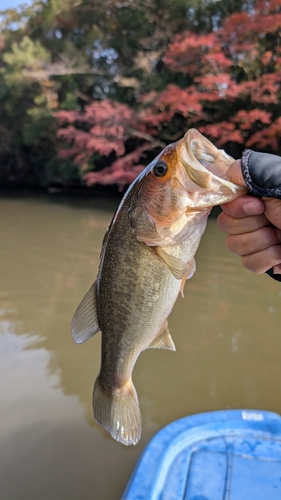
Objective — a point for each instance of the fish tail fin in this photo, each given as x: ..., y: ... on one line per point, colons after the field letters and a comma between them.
x: 118, y: 412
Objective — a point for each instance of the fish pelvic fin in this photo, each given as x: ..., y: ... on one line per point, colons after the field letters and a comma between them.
x: 84, y: 323
x: 189, y: 273
x: 118, y: 412
x: 163, y: 339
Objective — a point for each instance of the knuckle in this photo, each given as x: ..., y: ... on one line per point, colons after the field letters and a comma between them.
x: 269, y: 236
x: 275, y: 253
x: 232, y: 244
x: 233, y: 208
x: 223, y: 222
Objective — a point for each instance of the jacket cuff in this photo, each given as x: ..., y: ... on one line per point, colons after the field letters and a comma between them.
x: 262, y: 173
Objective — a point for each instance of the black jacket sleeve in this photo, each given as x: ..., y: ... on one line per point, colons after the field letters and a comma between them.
x: 262, y: 173
x: 262, y: 176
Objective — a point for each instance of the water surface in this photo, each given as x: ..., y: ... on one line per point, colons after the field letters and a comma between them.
x: 226, y: 330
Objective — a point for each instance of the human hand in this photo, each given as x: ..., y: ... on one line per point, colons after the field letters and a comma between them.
x: 253, y: 226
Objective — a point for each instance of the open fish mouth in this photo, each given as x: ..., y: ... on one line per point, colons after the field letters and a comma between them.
x: 201, y: 150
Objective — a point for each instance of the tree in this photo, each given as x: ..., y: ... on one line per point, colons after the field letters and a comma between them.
x: 26, y: 107
x: 235, y: 77
x: 106, y: 129
x: 230, y: 90
x: 122, y: 79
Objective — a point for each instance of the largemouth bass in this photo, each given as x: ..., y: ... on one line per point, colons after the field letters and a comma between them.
x: 147, y: 255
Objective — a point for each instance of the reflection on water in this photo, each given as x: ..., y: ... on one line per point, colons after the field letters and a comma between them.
x: 226, y: 330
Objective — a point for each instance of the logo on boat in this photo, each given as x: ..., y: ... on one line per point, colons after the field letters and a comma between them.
x: 252, y: 415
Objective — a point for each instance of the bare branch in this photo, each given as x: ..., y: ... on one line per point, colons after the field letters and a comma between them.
x: 148, y: 137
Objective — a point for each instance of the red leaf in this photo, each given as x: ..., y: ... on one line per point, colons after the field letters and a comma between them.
x: 222, y: 132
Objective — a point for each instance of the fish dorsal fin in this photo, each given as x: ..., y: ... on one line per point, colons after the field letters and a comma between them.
x: 177, y: 266
x: 84, y: 323
x: 163, y: 339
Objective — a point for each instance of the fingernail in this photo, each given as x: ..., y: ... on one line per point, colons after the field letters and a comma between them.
x: 251, y: 208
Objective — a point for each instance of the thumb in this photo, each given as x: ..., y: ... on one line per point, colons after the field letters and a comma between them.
x: 234, y: 173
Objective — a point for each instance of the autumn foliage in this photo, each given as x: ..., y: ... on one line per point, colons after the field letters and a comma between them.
x: 97, y: 89
x: 232, y: 95
x: 107, y: 126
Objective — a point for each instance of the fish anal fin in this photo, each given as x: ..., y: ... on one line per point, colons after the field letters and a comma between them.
x: 163, y: 339
x: 177, y: 266
x: 84, y: 323
x: 118, y: 412
x: 189, y: 273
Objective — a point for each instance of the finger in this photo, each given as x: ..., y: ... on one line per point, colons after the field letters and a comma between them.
x: 260, y: 262
x: 233, y: 225
x: 249, y: 243
x: 234, y: 173
x: 273, y: 211
x: 277, y: 269
x: 244, y: 206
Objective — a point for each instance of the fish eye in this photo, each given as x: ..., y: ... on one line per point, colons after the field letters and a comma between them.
x: 160, y: 169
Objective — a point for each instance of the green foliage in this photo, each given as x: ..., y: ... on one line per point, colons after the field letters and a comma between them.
x: 26, y: 54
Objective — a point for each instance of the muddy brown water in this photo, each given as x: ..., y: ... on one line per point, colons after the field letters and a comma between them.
x: 227, y: 331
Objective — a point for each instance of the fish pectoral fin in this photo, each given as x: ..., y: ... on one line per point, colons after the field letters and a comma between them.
x: 177, y: 266
x: 163, y: 339
x: 189, y: 273
x: 84, y: 323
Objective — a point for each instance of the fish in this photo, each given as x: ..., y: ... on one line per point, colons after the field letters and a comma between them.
x: 147, y: 255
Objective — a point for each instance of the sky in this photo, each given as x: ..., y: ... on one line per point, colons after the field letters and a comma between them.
x: 9, y: 4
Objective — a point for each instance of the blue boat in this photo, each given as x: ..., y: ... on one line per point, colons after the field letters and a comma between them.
x: 221, y: 455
